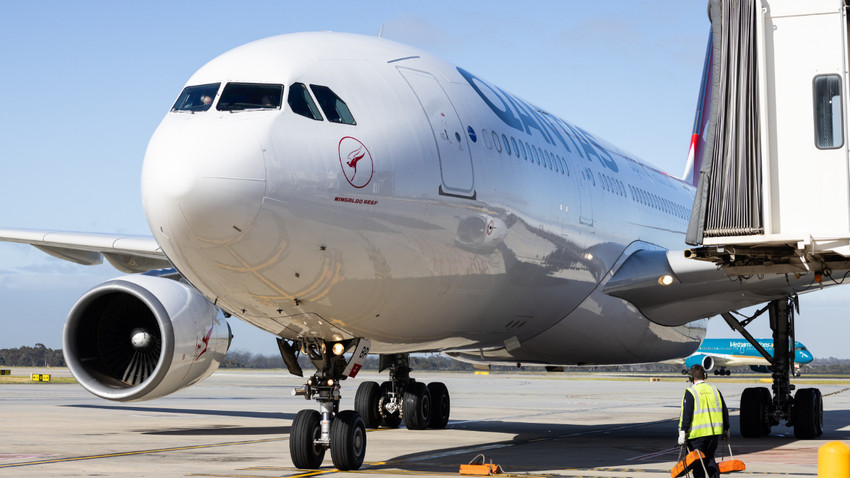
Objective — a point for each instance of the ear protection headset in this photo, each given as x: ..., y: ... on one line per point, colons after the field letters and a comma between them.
x: 698, y: 370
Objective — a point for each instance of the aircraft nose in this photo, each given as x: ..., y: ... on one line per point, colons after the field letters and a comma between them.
x: 202, y: 179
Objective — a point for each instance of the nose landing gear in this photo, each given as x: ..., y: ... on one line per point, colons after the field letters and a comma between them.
x: 313, y: 432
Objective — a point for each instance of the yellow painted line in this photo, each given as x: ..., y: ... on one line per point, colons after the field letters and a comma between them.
x: 141, y: 452
x: 231, y: 476
x: 314, y: 473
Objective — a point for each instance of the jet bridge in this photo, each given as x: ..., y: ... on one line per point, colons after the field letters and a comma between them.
x: 773, y: 194
x: 771, y: 139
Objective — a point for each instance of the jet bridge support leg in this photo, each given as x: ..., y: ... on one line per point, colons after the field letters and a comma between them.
x: 782, y: 325
x: 759, y: 412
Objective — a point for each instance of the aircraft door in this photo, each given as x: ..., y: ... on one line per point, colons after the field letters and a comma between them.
x: 449, y: 134
x: 583, y: 178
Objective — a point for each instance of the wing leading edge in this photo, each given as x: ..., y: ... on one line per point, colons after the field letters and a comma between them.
x: 127, y: 253
x: 695, y: 289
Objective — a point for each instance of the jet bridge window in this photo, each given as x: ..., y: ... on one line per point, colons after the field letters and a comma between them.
x: 302, y: 103
x: 829, y: 126
x: 196, y: 98
x: 336, y: 111
x: 249, y: 96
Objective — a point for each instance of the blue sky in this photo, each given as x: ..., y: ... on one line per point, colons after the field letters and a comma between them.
x: 85, y: 84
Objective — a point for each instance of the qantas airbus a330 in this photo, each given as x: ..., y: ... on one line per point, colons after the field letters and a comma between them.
x: 355, y: 196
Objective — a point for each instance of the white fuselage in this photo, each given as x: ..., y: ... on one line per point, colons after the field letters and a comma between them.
x: 452, y: 216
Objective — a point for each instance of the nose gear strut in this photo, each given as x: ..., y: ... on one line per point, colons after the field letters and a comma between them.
x: 313, y: 432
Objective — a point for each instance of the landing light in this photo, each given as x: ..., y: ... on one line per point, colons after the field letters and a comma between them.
x: 665, y: 280
x: 338, y: 348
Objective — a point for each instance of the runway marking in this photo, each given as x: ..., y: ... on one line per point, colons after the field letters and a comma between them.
x: 653, y: 455
x: 140, y: 452
x: 836, y: 392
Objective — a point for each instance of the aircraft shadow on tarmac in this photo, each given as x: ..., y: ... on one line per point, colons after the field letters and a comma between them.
x: 534, y: 446
x: 623, y: 446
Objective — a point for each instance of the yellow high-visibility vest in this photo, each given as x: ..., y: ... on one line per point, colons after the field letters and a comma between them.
x: 708, y: 411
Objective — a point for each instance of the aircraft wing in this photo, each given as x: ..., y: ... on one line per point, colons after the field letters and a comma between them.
x: 130, y: 254
x: 697, y: 289
x: 720, y: 360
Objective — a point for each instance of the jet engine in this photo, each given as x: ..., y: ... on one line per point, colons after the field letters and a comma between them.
x: 706, y: 361
x: 142, y: 337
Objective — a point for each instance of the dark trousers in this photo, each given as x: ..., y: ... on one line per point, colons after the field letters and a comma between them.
x: 707, y: 445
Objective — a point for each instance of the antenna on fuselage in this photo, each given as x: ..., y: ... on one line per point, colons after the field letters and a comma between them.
x: 381, y: 31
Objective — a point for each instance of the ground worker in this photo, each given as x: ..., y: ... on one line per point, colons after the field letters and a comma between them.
x: 703, y: 421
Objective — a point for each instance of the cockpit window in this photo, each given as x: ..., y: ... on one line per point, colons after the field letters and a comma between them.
x: 196, y: 98
x: 335, y: 109
x: 302, y: 103
x: 249, y: 96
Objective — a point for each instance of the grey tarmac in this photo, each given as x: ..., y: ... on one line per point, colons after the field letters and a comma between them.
x: 236, y: 424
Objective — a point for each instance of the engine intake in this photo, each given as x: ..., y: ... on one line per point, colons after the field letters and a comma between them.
x: 706, y: 361
x: 141, y: 337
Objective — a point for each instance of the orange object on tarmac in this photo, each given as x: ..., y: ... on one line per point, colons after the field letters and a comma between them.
x: 479, y: 468
x: 691, y: 461
x: 730, y: 465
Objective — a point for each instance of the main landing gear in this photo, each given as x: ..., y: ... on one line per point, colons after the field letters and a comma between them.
x: 313, y: 432
x: 402, y: 398
x: 760, y: 411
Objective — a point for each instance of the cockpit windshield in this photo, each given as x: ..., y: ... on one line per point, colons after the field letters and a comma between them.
x: 196, y: 98
x: 243, y: 96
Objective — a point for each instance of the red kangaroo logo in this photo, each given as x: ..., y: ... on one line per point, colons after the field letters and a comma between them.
x: 206, y: 341
x: 353, y: 158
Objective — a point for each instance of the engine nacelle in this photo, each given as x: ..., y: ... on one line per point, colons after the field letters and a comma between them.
x: 706, y: 361
x: 142, y: 337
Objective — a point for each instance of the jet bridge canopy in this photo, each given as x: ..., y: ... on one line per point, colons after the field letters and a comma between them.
x: 774, y: 192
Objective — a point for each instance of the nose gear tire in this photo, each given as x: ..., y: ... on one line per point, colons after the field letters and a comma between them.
x: 348, y: 440
x: 306, y: 428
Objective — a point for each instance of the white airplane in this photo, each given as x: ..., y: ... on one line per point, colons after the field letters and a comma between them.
x: 351, y: 195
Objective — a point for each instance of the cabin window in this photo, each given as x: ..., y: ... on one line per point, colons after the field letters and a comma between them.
x: 486, y: 138
x: 829, y: 126
x: 514, y: 146
x: 507, y: 144
x: 196, y: 98
x: 250, y: 96
x: 302, y: 103
x: 336, y: 111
